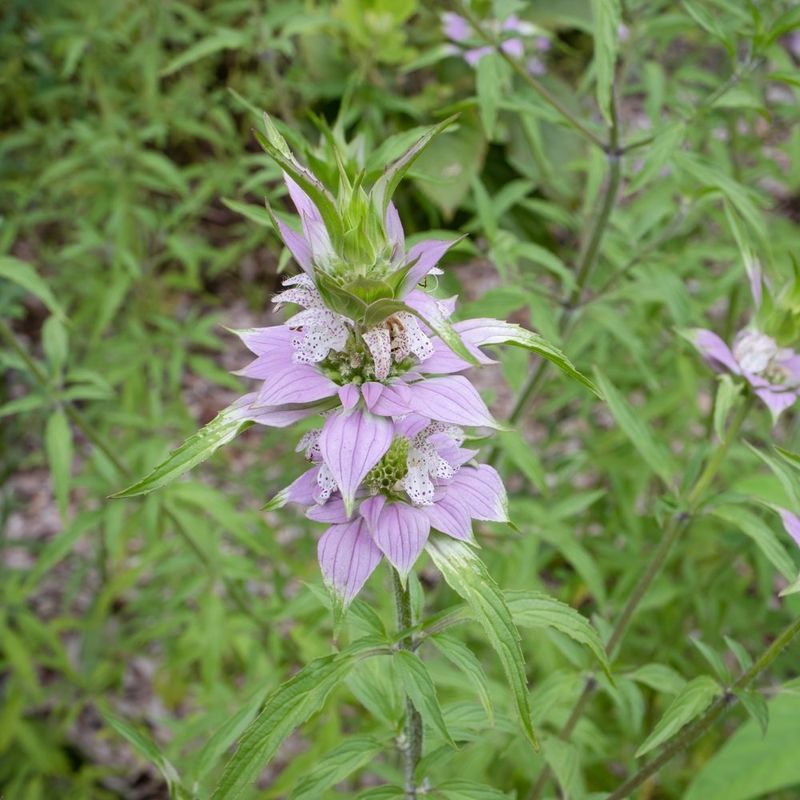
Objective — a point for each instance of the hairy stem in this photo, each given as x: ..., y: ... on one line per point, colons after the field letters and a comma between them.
x: 677, y: 526
x: 411, y: 744
x: 702, y: 724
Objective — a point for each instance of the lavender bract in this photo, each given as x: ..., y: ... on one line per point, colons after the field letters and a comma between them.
x: 771, y: 370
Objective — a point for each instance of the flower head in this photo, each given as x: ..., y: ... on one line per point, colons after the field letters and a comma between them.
x: 514, y: 32
x: 773, y: 371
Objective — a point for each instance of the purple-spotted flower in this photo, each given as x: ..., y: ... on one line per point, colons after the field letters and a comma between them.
x: 772, y: 370
x: 425, y: 480
x: 513, y: 30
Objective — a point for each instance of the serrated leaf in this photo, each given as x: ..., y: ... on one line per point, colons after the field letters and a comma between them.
x: 538, y: 610
x: 756, y: 529
x: 468, y: 577
x: 419, y: 687
x: 353, y: 754
x: 197, y: 448
x: 695, y: 698
x: 24, y: 275
x: 58, y: 445
x: 517, y: 336
x: 461, y: 656
x: 655, y: 455
x: 285, y: 709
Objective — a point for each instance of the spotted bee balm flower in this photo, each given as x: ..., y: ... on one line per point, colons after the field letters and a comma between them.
x: 377, y: 358
x: 770, y: 368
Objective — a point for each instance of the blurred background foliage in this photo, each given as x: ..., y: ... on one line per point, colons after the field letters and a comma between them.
x: 138, y: 638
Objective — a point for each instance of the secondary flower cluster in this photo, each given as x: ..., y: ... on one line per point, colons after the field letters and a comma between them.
x: 387, y: 464
x: 772, y: 370
x: 515, y: 30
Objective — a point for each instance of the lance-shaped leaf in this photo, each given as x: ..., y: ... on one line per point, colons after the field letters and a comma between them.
x: 461, y: 656
x: 538, y: 610
x: 277, y: 149
x: 419, y: 687
x: 484, y: 332
x: 690, y: 703
x: 352, y: 754
x: 467, y: 575
x: 288, y: 707
x: 197, y: 448
x: 654, y: 453
x: 385, y: 186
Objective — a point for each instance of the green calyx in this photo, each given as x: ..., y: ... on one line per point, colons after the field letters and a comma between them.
x: 390, y: 470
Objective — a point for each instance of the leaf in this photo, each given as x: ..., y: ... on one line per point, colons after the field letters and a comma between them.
x: 338, y: 299
x: 468, y: 577
x: 468, y: 790
x: 58, y: 445
x: 659, y: 677
x: 419, y: 687
x: 538, y: 610
x: 751, y: 765
x: 286, y: 708
x: 491, y: 74
x: 605, y: 27
x: 442, y: 327
x: 353, y: 754
x: 690, y: 703
x: 197, y: 448
x: 524, y: 458
x: 461, y: 656
x: 714, y: 660
x: 146, y: 748
x: 756, y: 707
x: 758, y: 530
x: 509, y: 333
x: 384, y: 187
x: 254, y: 213
x: 223, y: 39
x: 727, y: 392
x: 651, y: 450
x: 24, y: 275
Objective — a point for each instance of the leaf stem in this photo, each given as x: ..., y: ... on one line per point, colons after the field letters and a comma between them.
x: 411, y: 744
x: 586, y: 264
x: 538, y: 87
x: 702, y: 724
x: 677, y: 526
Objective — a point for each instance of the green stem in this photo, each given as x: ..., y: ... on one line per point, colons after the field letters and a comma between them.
x: 539, y: 88
x: 701, y: 725
x: 677, y: 526
x: 586, y: 264
x: 411, y: 744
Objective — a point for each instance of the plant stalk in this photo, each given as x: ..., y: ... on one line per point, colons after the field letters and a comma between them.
x: 677, y: 526
x: 411, y: 744
x: 701, y: 725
